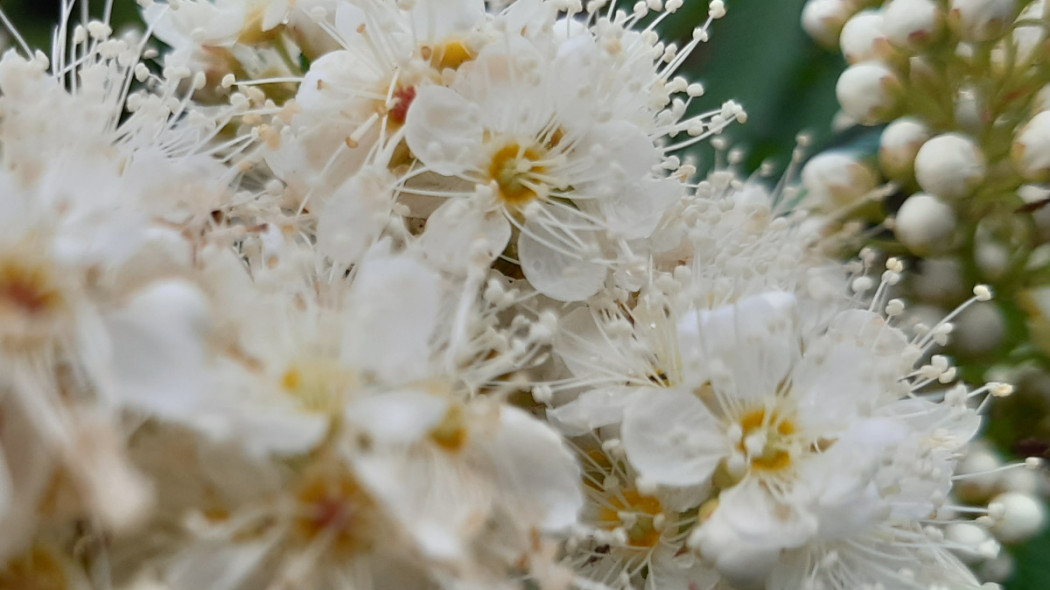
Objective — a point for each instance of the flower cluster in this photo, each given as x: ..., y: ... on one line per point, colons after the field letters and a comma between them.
x: 959, y: 88
x: 366, y: 294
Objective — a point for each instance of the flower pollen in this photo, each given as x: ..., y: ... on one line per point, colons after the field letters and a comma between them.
x: 511, y: 169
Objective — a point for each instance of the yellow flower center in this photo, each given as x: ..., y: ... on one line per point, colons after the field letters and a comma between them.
x: 334, y: 506
x: 640, y: 510
x: 514, y: 168
x: 777, y: 431
x: 36, y: 569
x: 451, y: 433
x: 319, y: 385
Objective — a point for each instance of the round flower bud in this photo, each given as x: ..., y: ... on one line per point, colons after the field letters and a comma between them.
x: 968, y: 537
x: 924, y: 223
x: 1041, y: 101
x: 969, y: 109
x: 823, y: 20
x: 992, y: 257
x: 836, y: 179
x: 869, y: 92
x: 862, y: 38
x: 898, y: 145
x: 1022, y: 516
x: 979, y: 466
x: 981, y: 20
x: 998, y: 569
x: 950, y: 166
x: 912, y: 24
x: 979, y: 329
x: 1031, y: 149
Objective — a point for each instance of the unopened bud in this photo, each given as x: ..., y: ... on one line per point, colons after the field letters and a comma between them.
x: 981, y: 20
x: 823, y: 20
x: 1020, y: 516
x: 898, y: 145
x: 950, y: 166
x: 862, y: 38
x: 1030, y: 152
x: 833, y: 179
x: 869, y: 92
x: 924, y: 223
x: 912, y: 24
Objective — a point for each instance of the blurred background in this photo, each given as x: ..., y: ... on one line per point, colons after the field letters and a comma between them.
x: 759, y: 56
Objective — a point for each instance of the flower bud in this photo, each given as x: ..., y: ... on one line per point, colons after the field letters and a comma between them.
x: 1022, y: 517
x: 939, y: 280
x: 969, y: 109
x: 981, y: 20
x: 991, y: 256
x: 835, y: 179
x: 950, y: 166
x: 923, y: 223
x: 862, y: 38
x: 823, y: 20
x: 898, y: 145
x: 967, y: 538
x: 869, y: 92
x: 979, y: 329
x: 912, y: 24
x: 1030, y: 152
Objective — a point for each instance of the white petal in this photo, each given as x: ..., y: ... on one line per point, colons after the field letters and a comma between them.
x: 555, y: 272
x: 159, y: 359
x: 353, y: 218
x: 594, y: 409
x: 756, y: 339
x: 458, y: 228
x: 534, y: 466
x: 746, y: 533
x: 395, y: 303
x: 442, y: 130
x: 671, y: 438
x: 397, y: 417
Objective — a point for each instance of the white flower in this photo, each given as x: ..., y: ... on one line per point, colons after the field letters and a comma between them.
x: 568, y: 184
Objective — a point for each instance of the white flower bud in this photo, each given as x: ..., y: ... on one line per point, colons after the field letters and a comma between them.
x: 823, y: 20
x: 1022, y: 517
x: 981, y: 20
x: 992, y: 257
x: 1041, y: 101
x: 969, y: 536
x: 862, y: 38
x: 979, y: 465
x: 1031, y: 149
x: 835, y: 179
x: 1018, y: 49
x: 950, y: 166
x: 869, y: 92
x: 939, y: 280
x: 924, y: 223
x: 898, y: 145
x: 998, y: 569
x: 969, y: 109
x: 979, y: 329
x: 912, y: 24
